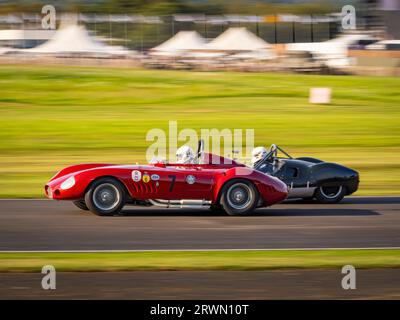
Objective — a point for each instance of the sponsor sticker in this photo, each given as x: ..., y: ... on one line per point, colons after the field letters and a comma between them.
x: 146, y: 178
x: 155, y: 177
x: 190, y: 179
x: 136, y: 175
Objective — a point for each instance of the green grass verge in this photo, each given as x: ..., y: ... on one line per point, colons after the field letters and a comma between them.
x: 52, y: 117
x: 199, y: 260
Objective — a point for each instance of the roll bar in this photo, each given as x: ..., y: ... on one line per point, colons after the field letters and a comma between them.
x: 273, y: 150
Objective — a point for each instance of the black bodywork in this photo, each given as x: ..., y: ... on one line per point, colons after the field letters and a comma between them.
x: 309, y: 177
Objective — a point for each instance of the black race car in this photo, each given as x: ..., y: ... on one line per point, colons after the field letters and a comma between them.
x: 310, y: 178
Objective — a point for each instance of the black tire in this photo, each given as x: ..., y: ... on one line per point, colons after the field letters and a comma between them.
x: 81, y: 204
x: 330, y: 194
x: 239, y: 197
x: 105, y: 197
x: 217, y: 209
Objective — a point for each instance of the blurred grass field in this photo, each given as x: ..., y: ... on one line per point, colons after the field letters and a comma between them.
x: 199, y: 260
x: 52, y: 117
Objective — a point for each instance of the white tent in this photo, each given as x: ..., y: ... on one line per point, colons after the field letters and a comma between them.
x: 242, y: 42
x: 179, y: 44
x: 333, y: 52
x: 75, y: 39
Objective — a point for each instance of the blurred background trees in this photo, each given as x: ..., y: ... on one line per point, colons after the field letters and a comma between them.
x: 166, y: 7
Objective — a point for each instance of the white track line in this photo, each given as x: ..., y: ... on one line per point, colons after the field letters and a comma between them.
x: 186, y: 250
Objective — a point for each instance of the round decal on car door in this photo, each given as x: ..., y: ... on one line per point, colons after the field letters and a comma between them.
x: 136, y: 175
x: 190, y: 179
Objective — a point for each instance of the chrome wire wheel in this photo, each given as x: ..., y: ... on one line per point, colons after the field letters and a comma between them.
x: 239, y: 196
x: 106, y: 196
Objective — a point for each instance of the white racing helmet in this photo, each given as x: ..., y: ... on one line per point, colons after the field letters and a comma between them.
x: 257, y: 154
x: 184, y: 154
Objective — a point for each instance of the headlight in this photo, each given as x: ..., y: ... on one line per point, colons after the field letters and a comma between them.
x: 69, y: 183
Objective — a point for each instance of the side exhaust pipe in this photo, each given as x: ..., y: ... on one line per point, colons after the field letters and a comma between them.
x: 193, y: 204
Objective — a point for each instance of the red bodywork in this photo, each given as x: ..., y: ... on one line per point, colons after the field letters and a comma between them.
x: 167, y: 181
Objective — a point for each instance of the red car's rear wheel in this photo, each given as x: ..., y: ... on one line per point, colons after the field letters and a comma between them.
x: 239, y: 197
x: 105, y: 197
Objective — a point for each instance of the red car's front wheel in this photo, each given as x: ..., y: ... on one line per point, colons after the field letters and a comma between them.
x: 105, y: 197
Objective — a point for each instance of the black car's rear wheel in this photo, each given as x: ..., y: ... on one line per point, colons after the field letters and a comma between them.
x: 105, y: 197
x: 81, y: 204
x: 239, y: 197
x: 330, y: 194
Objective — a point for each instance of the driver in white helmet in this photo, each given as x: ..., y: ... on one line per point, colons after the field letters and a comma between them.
x: 257, y: 154
x: 185, y: 155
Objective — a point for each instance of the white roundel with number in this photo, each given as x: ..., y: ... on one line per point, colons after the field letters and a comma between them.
x: 190, y: 179
x: 136, y: 175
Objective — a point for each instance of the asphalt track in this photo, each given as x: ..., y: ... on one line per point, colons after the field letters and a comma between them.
x: 357, y: 222
x: 269, y: 284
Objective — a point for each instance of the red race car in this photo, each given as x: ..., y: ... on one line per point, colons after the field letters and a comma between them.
x: 209, y: 182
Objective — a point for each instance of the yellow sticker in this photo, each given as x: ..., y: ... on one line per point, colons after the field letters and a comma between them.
x: 146, y: 178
